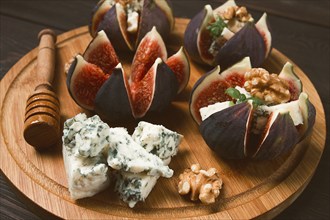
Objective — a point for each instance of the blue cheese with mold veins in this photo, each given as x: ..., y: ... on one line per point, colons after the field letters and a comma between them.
x: 161, y: 142
x: 157, y: 139
x: 127, y: 155
x: 84, y: 143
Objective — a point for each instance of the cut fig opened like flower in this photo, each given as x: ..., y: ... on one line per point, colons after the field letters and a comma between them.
x: 245, y: 112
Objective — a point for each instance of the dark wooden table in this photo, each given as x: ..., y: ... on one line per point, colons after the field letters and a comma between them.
x: 300, y: 30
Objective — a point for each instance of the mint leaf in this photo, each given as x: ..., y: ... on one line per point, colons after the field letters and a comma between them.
x: 239, y: 97
x: 234, y: 93
x: 216, y: 27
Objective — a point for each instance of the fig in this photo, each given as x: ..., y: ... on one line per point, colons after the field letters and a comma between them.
x: 97, y: 80
x: 225, y: 35
x: 127, y: 22
x: 246, y: 112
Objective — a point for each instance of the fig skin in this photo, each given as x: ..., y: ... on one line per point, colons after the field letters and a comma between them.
x: 156, y: 13
x: 253, y: 41
x: 217, y: 130
x: 246, y: 42
x: 114, y: 26
x: 190, y: 36
x: 112, y: 101
x: 98, y: 13
x: 281, y: 136
x: 309, y: 114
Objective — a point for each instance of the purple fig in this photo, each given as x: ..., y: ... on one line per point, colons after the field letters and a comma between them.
x: 127, y: 22
x: 95, y: 84
x: 237, y: 124
x: 226, y: 35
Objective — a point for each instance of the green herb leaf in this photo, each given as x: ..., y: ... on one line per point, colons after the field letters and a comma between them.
x: 216, y: 27
x: 239, y: 97
x: 234, y: 93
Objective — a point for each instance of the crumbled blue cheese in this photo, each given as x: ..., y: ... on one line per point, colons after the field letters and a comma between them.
x: 157, y: 139
x: 134, y: 187
x: 90, y: 146
x: 86, y: 137
x: 127, y: 155
x: 84, y: 141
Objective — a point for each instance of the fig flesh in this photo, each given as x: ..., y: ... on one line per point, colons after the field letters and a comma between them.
x: 101, y: 53
x: 216, y: 84
x: 179, y: 64
x: 97, y: 81
x: 84, y: 80
x: 127, y: 22
x: 225, y: 35
x: 237, y: 125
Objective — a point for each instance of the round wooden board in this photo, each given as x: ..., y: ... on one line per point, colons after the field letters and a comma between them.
x: 251, y: 189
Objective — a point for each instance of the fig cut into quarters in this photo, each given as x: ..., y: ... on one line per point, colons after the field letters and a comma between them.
x: 225, y: 35
x: 237, y: 125
x: 127, y: 22
x: 98, y: 82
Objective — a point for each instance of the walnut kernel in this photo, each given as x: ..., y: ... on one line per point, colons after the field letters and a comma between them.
x: 240, y: 13
x: 204, y: 185
x: 267, y: 87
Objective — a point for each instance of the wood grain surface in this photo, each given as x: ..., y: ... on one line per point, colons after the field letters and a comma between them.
x: 251, y: 189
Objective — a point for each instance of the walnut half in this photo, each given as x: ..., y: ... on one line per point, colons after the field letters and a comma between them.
x: 204, y: 185
x: 267, y: 87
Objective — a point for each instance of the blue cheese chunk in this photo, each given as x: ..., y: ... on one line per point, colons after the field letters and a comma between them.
x: 134, y: 187
x: 86, y: 137
x: 158, y: 140
x: 126, y: 155
x: 84, y: 143
x: 86, y: 176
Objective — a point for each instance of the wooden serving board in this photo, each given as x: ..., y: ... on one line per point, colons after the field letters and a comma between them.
x: 251, y: 188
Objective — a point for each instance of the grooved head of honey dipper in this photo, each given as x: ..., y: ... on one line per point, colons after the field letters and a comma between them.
x: 42, y: 131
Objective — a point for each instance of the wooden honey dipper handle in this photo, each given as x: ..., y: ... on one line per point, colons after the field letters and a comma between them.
x: 42, y: 113
x: 46, y: 56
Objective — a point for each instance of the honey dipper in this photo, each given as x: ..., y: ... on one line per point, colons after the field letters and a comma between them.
x: 42, y: 113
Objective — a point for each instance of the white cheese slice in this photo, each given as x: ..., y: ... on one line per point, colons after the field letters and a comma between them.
x: 211, y: 109
x: 291, y: 107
